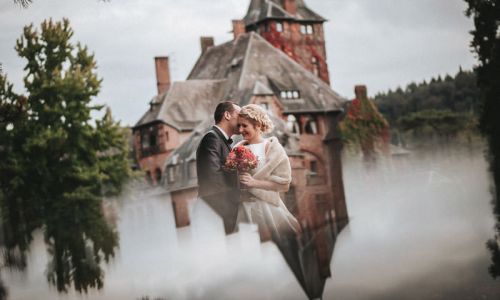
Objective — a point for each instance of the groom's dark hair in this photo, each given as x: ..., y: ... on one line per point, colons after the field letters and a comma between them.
x: 221, y: 109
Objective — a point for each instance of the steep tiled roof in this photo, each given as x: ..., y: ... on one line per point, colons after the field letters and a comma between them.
x: 238, y: 70
x: 260, y: 10
x: 185, y: 104
x: 251, y: 58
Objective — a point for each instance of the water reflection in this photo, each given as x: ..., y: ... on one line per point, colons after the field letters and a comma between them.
x: 417, y: 231
x: 309, y: 256
x: 493, y: 244
x: 77, y: 239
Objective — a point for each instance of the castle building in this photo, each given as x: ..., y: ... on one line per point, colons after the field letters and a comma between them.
x: 276, y: 59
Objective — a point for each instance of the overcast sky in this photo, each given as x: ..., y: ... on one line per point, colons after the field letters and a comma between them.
x: 381, y: 43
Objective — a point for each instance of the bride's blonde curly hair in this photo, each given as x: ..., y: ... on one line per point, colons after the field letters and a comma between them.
x: 257, y: 116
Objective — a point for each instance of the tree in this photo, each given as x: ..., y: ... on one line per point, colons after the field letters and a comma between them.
x: 486, y: 44
x: 443, y: 123
x: 23, y: 3
x: 58, y: 163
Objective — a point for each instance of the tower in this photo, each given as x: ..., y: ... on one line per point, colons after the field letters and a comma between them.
x: 292, y: 27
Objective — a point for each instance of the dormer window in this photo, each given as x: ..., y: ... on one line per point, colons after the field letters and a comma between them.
x: 171, y: 174
x: 290, y: 94
x: 306, y: 29
x: 279, y: 27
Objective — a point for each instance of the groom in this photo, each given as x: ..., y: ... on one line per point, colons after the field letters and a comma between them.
x: 217, y: 188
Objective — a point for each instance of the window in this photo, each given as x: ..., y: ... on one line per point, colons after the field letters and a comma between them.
x: 152, y: 139
x: 311, y: 126
x: 145, y: 140
x: 290, y: 94
x: 292, y: 124
x: 265, y: 106
x: 279, y: 27
x: 265, y: 27
x: 315, y: 65
x: 306, y: 29
x: 171, y: 174
x: 148, y: 137
x: 313, y: 166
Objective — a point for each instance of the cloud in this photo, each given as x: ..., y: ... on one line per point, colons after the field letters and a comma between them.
x: 383, y: 44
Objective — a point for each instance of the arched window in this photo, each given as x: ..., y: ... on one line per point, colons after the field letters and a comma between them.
x: 311, y: 126
x: 292, y: 124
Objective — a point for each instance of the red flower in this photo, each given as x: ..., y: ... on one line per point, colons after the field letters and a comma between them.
x: 240, y: 159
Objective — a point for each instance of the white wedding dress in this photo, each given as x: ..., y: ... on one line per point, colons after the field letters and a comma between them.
x: 272, y: 220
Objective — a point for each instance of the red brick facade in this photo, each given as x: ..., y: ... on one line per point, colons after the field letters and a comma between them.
x: 152, y: 155
x: 303, y: 42
x: 180, y: 205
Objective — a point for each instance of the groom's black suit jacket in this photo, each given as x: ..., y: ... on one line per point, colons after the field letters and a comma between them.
x: 216, y: 187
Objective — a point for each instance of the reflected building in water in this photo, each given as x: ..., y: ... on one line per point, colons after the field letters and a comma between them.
x: 309, y: 257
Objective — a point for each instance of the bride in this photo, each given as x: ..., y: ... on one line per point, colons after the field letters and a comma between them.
x: 261, y: 204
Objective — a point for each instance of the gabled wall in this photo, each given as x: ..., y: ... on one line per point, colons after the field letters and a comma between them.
x: 152, y: 159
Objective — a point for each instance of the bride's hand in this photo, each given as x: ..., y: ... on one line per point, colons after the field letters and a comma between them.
x: 247, y: 180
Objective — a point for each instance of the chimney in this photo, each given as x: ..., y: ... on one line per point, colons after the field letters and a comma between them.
x: 162, y: 74
x: 238, y: 28
x: 290, y: 6
x: 360, y: 92
x: 206, y: 42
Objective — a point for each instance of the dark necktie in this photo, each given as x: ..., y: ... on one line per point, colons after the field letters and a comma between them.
x: 229, y: 141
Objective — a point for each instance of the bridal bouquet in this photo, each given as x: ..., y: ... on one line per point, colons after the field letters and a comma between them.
x: 240, y: 159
